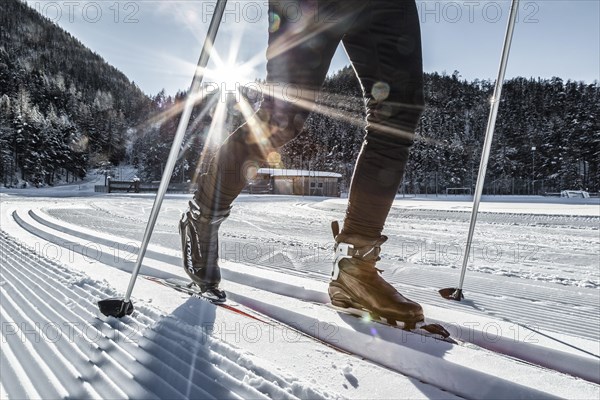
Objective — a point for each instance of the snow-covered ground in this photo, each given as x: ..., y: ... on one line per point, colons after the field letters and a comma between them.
x: 533, y: 294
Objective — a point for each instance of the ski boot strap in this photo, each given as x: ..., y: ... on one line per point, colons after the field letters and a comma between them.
x: 342, y: 250
x: 363, y: 248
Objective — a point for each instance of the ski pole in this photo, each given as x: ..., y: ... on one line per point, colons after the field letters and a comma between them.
x: 457, y: 293
x: 121, y: 307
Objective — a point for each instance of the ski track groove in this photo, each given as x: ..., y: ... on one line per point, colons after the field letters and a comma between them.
x: 99, y: 371
x: 21, y: 363
x: 156, y: 338
x: 475, y: 287
x: 175, y: 338
x: 199, y: 379
x: 517, y: 315
x: 164, y: 349
x: 31, y: 361
x: 14, y: 378
x: 225, y: 349
x: 97, y: 350
x: 254, y: 395
x: 134, y: 355
x: 543, y: 303
x: 478, y: 291
x: 495, y: 306
x: 64, y: 373
x: 499, y: 218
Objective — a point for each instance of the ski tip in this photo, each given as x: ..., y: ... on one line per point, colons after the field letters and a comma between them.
x: 436, y: 329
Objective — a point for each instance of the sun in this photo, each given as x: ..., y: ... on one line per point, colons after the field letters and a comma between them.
x: 228, y: 74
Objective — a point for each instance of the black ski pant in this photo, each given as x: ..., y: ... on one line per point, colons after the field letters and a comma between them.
x: 383, y: 41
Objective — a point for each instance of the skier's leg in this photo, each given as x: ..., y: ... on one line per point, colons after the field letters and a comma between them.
x: 385, y: 50
x: 303, y: 38
x: 302, y: 42
x: 386, y: 55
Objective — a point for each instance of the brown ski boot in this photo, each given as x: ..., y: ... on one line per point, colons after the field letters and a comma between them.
x: 199, y: 231
x: 357, y: 284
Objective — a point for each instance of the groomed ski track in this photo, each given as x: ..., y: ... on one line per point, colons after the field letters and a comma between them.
x: 427, y: 367
x: 56, y: 346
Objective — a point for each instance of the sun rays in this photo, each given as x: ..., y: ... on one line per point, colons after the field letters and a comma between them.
x: 226, y: 85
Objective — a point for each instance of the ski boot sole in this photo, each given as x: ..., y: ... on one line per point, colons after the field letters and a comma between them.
x: 342, y: 301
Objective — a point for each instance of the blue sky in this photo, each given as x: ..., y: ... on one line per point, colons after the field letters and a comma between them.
x: 157, y: 43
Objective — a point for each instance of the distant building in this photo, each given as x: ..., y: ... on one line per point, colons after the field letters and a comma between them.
x: 295, y: 182
x: 582, y: 194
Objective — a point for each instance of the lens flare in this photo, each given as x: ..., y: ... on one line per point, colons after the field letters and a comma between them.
x: 274, y: 22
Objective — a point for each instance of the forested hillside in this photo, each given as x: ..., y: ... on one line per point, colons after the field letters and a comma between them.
x: 547, y: 135
x: 62, y: 107
x: 64, y: 110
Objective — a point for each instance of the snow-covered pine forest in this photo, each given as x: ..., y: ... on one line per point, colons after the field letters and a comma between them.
x: 63, y: 110
x: 560, y: 119
x: 62, y: 107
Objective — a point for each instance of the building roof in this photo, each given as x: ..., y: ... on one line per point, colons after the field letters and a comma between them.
x: 297, y: 173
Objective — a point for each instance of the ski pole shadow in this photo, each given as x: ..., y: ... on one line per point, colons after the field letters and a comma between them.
x: 526, y: 327
x: 179, y: 349
x: 197, y: 352
x: 169, y: 356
